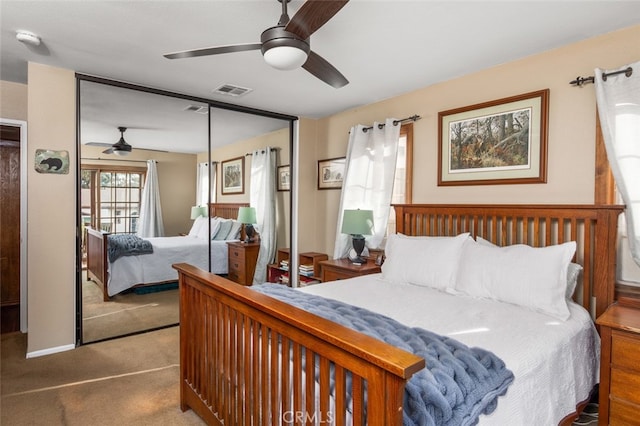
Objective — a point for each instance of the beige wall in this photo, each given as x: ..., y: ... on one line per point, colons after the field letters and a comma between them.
x: 13, y: 100
x: 571, y: 146
x: 51, y: 201
x: 176, y: 179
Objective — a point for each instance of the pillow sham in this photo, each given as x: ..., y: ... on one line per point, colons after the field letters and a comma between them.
x: 223, y: 230
x: 573, y: 271
x: 197, y: 225
x: 532, y: 277
x: 205, y: 232
x: 425, y: 261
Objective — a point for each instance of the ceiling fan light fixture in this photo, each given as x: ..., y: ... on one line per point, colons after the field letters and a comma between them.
x: 121, y: 152
x: 285, y: 57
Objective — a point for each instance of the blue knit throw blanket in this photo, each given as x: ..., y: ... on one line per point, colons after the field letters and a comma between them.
x: 458, y: 384
x: 119, y: 245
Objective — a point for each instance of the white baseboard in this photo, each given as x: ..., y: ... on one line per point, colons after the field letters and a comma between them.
x: 50, y: 351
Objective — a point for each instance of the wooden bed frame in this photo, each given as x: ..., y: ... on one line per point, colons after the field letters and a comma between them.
x: 96, y: 246
x: 227, y: 330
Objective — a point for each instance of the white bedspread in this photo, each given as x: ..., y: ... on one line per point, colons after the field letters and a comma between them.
x: 555, y: 363
x: 128, y: 271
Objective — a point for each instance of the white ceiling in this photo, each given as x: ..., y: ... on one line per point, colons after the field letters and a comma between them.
x: 384, y: 48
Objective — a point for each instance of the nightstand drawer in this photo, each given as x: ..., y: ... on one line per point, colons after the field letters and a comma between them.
x: 236, y: 255
x: 625, y: 348
x: 622, y: 413
x: 334, y: 275
x: 625, y: 385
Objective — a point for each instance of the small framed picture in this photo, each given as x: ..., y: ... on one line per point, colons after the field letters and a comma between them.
x: 284, y: 178
x: 232, y: 180
x: 331, y: 173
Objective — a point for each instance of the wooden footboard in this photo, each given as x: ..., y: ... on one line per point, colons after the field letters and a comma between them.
x: 233, y: 372
x: 96, y: 242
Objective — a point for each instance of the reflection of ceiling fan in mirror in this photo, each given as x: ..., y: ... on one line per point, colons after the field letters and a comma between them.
x: 121, y: 147
x: 286, y: 46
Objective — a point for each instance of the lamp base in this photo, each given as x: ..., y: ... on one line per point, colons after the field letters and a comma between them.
x: 358, y: 247
x: 250, y: 232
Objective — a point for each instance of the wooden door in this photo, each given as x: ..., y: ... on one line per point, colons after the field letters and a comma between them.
x: 10, y: 228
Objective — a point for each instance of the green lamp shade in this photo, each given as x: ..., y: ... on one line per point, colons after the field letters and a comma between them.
x: 357, y: 222
x: 247, y: 215
x: 196, y: 212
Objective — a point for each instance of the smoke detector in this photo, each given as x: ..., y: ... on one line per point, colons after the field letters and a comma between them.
x: 28, y: 37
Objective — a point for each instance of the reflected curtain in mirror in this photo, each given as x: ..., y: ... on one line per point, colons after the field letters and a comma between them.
x: 262, y: 197
x: 151, y: 224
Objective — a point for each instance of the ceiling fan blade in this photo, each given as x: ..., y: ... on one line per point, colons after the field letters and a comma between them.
x: 312, y: 15
x: 323, y: 70
x: 150, y: 149
x: 108, y: 151
x: 213, y: 50
x: 98, y: 144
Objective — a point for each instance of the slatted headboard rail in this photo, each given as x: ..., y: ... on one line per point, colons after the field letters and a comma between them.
x: 225, y: 210
x: 593, y: 227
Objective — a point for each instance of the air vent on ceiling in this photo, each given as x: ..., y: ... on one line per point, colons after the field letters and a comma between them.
x: 231, y: 90
x: 198, y: 108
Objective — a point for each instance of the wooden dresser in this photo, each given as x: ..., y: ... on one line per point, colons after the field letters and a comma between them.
x: 242, y: 261
x: 620, y: 365
x: 340, y: 269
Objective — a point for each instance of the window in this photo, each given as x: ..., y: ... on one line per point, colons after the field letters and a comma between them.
x: 110, y: 198
x: 402, y: 185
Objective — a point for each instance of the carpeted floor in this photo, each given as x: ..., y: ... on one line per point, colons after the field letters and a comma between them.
x: 128, y: 381
x: 125, y: 313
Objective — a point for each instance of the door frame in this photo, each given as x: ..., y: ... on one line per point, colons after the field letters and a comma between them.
x: 23, y: 217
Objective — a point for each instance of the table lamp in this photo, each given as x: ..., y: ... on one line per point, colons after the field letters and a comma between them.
x: 247, y: 216
x: 357, y: 223
x: 196, y: 212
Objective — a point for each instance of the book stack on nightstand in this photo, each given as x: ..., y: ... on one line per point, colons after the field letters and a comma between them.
x: 308, y: 269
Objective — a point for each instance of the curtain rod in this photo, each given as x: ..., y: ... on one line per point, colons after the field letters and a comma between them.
x: 272, y: 149
x: 414, y: 117
x: 579, y: 81
x: 115, y: 159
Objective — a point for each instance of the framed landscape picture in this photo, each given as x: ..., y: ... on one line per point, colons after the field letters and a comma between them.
x: 232, y: 179
x: 284, y: 178
x: 331, y: 173
x: 498, y: 142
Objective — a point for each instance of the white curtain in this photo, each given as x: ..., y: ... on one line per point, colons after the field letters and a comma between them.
x: 618, y: 101
x: 263, y: 198
x: 368, y: 181
x: 202, y: 183
x: 150, y: 222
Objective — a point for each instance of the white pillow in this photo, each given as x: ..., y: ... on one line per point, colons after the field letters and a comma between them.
x: 425, y: 261
x: 197, y: 224
x: 535, y: 278
x: 573, y: 271
x: 205, y: 233
x: 573, y: 274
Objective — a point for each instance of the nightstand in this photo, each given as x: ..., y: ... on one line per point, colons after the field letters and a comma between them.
x: 620, y: 364
x: 242, y: 261
x: 340, y: 269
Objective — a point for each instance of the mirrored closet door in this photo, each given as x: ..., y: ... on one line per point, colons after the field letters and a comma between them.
x: 129, y: 139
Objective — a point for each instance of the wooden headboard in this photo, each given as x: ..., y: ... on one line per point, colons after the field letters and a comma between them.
x: 593, y: 227
x: 225, y: 210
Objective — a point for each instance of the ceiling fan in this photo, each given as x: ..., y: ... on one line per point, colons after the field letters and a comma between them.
x: 286, y: 45
x: 121, y: 147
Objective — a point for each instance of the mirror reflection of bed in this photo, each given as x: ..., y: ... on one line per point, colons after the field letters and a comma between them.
x: 174, y: 133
